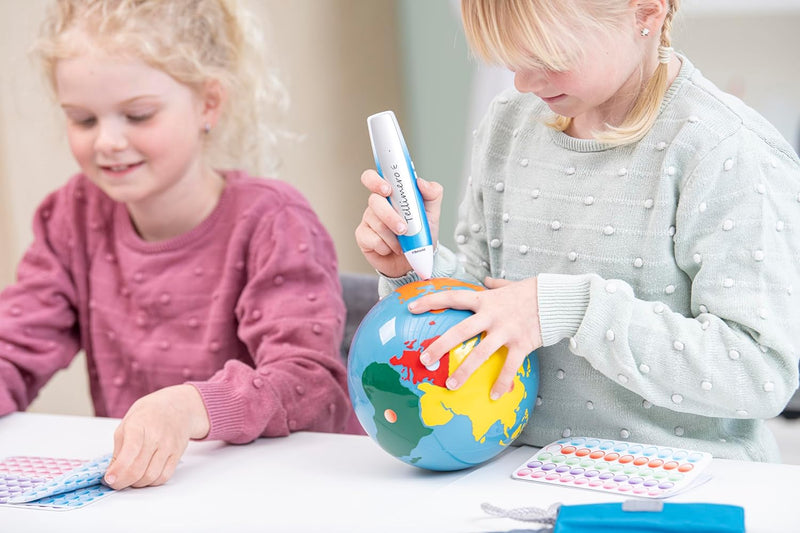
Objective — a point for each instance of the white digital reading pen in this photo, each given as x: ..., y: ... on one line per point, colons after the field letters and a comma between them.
x: 395, y: 166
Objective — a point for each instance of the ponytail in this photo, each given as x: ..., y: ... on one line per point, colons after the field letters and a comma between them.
x: 647, y: 106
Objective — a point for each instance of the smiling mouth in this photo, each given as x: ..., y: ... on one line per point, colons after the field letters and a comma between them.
x: 119, y: 169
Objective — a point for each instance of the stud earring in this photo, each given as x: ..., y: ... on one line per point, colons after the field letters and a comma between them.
x: 645, y: 32
x: 206, y: 128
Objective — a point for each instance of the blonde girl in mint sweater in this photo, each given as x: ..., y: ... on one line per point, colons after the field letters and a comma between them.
x: 635, y: 226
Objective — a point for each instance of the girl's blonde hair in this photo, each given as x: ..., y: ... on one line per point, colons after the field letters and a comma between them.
x: 546, y: 34
x: 193, y: 41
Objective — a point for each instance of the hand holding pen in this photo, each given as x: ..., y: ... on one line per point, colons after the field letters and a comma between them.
x: 380, y: 224
x: 404, y: 229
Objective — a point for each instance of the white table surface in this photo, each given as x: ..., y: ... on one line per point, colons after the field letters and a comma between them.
x: 325, y: 482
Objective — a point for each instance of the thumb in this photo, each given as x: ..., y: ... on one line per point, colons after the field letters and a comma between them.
x: 432, y: 194
x: 431, y: 191
x: 495, y: 283
x: 110, y: 477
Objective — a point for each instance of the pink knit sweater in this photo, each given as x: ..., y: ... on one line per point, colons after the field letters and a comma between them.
x: 246, y: 307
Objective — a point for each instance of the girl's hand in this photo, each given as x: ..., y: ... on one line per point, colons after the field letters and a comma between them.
x: 509, y: 314
x: 380, y: 225
x: 152, y: 437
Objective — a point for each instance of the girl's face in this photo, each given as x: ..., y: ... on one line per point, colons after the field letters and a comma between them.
x: 599, y: 89
x: 134, y: 130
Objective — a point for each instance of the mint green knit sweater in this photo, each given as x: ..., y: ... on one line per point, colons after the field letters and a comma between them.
x: 666, y: 268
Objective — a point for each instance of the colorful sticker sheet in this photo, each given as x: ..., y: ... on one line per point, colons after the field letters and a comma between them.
x: 52, y: 483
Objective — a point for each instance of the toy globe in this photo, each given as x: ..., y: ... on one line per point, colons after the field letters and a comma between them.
x: 406, y: 408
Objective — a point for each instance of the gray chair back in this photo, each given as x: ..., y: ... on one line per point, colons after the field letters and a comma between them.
x: 360, y: 292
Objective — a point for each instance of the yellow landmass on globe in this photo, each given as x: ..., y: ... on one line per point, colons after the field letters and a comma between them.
x: 439, y: 405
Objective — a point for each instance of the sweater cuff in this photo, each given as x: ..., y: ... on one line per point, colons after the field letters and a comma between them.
x: 225, y: 410
x: 386, y: 284
x: 563, y: 300
x: 445, y: 264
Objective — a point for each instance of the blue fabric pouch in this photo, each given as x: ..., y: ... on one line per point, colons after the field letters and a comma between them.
x: 650, y: 516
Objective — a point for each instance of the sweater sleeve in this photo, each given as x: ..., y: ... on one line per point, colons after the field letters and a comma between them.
x: 38, y: 319
x: 736, y: 238
x: 291, y: 317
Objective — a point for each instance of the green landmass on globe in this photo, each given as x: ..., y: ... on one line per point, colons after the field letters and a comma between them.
x: 384, y: 390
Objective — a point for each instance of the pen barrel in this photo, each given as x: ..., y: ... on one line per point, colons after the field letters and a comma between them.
x: 395, y: 166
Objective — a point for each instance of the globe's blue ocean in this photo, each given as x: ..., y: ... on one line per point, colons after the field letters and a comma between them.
x: 405, y: 406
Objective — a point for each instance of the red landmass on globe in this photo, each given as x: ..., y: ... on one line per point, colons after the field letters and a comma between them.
x: 416, y: 371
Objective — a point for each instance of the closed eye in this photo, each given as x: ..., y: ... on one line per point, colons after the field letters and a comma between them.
x: 85, y: 122
x: 140, y: 118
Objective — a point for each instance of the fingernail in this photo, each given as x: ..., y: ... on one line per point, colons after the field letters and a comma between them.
x: 401, y: 228
x: 451, y: 384
x: 385, y: 189
x: 412, y: 306
x: 425, y: 359
x: 110, y: 478
x: 495, y: 395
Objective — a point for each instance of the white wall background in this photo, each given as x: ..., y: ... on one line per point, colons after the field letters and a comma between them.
x: 750, y: 48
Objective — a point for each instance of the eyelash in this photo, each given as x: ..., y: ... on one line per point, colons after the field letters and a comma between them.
x: 139, y: 118
x: 136, y: 119
x: 85, y: 123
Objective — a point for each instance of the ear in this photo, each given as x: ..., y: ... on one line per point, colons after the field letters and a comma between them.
x: 650, y: 14
x: 212, y: 99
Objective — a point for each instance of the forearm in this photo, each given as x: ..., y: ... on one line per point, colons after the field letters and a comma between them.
x: 293, y: 389
x: 703, y: 365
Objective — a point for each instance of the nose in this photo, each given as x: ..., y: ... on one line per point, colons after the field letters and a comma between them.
x: 110, y: 137
x: 529, y: 80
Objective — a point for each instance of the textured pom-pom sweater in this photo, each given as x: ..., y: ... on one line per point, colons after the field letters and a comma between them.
x: 666, y: 268
x: 247, y: 307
